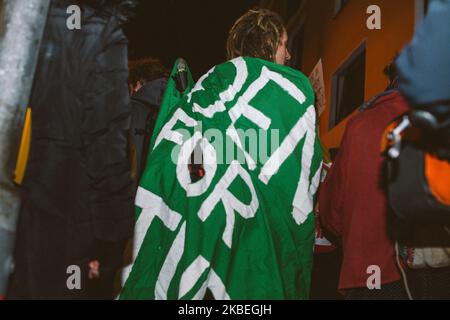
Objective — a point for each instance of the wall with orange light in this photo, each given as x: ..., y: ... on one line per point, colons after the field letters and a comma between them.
x: 334, y: 39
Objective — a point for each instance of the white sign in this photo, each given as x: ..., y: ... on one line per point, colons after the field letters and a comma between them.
x: 318, y: 85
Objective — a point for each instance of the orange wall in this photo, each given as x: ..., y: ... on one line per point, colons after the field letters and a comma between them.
x: 335, y: 38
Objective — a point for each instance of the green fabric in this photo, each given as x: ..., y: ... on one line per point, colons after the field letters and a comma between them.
x: 246, y: 229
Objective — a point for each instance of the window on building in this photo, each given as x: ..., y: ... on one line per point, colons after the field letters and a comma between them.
x: 296, y: 48
x: 348, y: 86
x: 339, y: 5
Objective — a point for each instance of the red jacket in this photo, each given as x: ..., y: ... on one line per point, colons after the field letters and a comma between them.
x: 353, y: 203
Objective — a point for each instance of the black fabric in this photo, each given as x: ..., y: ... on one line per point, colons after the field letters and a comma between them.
x: 120, y: 9
x: 325, y: 276
x: 409, y: 194
x: 416, y: 218
x: 145, y: 105
x: 430, y: 284
x: 110, y: 257
x: 77, y: 188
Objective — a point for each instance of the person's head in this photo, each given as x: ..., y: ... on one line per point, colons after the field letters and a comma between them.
x: 145, y: 70
x: 259, y: 33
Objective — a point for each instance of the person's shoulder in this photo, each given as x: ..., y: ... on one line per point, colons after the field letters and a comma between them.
x: 385, y: 103
x: 360, y: 120
x: 390, y: 97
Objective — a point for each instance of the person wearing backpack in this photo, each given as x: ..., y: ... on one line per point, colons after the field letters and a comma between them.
x: 419, y: 163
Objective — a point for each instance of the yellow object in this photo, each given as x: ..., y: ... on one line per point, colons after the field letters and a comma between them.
x: 24, y: 150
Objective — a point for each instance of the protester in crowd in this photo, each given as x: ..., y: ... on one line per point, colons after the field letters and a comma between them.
x: 424, y: 79
x: 233, y: 232
x: 148, y: 79
x: 353, y: 203
x: 77, y: 204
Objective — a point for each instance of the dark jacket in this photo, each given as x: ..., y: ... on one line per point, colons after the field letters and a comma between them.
x: 77, y: 189
x: 145, y: 105
x: 353, y: 203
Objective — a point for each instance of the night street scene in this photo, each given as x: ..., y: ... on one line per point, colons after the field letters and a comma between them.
x: 249, y: 150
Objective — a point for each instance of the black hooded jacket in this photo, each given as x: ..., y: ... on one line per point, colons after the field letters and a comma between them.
x: 77, y: 188
x: 145, y: 104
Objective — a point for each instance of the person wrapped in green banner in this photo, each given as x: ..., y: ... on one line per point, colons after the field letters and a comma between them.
x: 245, y: 230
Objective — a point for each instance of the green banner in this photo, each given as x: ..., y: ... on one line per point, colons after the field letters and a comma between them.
x: 245, y: 230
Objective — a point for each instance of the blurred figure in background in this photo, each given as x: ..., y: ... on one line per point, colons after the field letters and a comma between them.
x: 424, y: 74
x: 148, y: 79
x: 77, y: 204
x: 421, y: 195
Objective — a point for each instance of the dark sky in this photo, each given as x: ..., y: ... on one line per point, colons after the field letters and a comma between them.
x: 193, y: 29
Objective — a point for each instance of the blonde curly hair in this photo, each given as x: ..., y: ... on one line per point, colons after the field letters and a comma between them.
x: 256, y: 34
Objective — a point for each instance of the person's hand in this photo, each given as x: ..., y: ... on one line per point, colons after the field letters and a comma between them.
x: 94, y: 267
